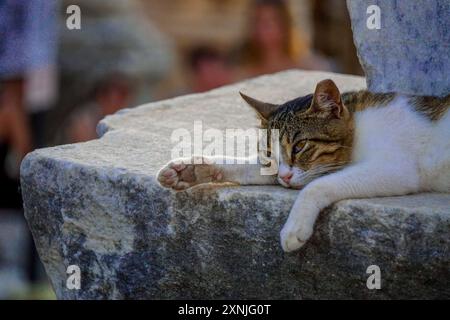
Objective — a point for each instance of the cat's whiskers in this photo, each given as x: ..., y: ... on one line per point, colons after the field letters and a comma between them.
x: 320, y: 170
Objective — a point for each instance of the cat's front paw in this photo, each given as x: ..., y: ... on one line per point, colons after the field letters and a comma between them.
x: 182, y: 174
x: 294, y: 235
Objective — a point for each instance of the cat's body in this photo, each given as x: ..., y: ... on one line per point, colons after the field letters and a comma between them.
x: 336, y: 147
x: 405, y: 129
x: 399, y: 133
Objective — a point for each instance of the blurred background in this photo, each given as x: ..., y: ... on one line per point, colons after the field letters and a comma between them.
x: 57, y: 82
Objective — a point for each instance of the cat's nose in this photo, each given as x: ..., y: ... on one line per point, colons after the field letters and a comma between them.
x: 287, y: 177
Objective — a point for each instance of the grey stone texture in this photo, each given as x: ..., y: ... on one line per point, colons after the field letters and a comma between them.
x: 97, y: 205
x: 410, y: 52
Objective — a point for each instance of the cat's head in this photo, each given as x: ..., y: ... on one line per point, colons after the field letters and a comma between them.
x: 316, y: 133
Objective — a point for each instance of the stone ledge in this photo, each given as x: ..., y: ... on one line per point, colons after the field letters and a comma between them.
x: 97, y: 205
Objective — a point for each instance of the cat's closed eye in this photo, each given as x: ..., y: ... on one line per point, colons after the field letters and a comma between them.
x: 299, y: 147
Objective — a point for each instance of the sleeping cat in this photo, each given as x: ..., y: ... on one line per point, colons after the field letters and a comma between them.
x: 334, y: 147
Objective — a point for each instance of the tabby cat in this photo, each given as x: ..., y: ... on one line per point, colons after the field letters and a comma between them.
x: 334, y: 147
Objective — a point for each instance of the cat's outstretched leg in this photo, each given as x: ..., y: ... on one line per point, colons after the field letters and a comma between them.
x: 380, y: 178
x: 184, y: 173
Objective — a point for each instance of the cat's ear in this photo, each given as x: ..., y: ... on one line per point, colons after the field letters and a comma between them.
x: 327, y: 99
x: 263, y: 109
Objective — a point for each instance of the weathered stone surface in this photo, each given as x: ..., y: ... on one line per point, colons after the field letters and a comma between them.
x: 97, y: 205
x: 409, y: 53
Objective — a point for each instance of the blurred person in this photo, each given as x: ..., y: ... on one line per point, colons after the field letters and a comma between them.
x: 116, y: 60
x: 110, y: 95
x: 272, y: 44
x: 15, y: 141
x: 209, y: 69
x: 27, y: 78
